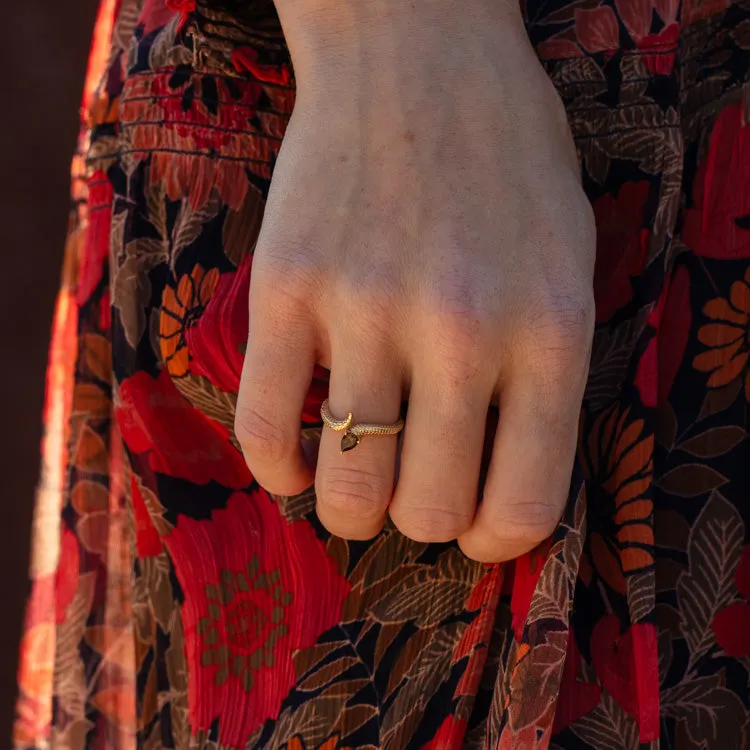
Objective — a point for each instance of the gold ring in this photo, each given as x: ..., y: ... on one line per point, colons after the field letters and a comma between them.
x: 353, y: 432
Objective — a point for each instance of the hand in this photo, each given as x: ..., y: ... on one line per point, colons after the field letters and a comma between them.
x: 425, y: 235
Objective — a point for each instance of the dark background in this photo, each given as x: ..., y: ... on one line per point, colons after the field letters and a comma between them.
x: 43, y: 54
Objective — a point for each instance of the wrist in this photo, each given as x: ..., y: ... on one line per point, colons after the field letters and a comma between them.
x: 341, y: 37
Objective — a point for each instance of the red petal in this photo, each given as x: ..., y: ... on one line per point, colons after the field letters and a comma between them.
x: 646, y: 667
x: 611, y: 657
x: 244, y: 59
x: 667, y: 9
x: 181, y: 441
x: 732, y: 629
x: 575, y: 698
x: 96, y: 247
x: 598, y: 30
x: 646, y: 375
x: 527, y: 573
x: 621, y: 247
x: 664, y: 47
x: 636, y: 15
x: 450, y: 734
x: 674, y: 330
x: 721, y: 192
x: 557, y: 49
x: 147, y: 539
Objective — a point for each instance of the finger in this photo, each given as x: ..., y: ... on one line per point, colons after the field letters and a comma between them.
x: 435, y: 499
x: 354, y: 488
x: 528, y: 477
x: 276, y: 376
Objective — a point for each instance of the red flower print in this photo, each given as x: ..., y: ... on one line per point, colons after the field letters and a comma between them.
x: 576, y: 697
x: 672, y: 317
x: 147, y: 539
x: 105, y: 312
x: 673, y: 330
x: 246, y: 59
x: 659, y: 50
x: 667, y: 10
x: 95, y: 249
x: 558, y: 48
x: 256, y: 589
x: 66, y: 579
x: 597, y: 29
x: 218, y: 339
x: 636, y: 16
x: 199, y: 146
x: 154, y: 418
x: 183, y: 6
x: 332, y: 743
x: 728, y: 338
x: 450, y: 734
x: 484, y: 597
x: 180, y: 309
x: 628, y: 668
x: 154, y: 15
x: 731, y: 625
x: 527, y: 571
x: 718, y: 223
x: 52, y: 593
x: 621, y: 246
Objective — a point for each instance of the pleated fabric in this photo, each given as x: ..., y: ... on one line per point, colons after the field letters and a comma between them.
x: 177, y: 605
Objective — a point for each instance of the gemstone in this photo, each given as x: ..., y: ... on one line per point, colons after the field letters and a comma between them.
x: 349, y: 441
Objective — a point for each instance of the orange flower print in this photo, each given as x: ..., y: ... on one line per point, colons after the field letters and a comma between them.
x: 727, y: 337
x: 180, y: 309
x: 617, y: 460
x: 296, y: 743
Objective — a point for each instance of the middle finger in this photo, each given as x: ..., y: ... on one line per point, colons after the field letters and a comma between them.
x: 436, y: 495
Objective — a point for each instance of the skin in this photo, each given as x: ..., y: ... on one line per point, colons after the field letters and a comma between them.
x: 426, y: 238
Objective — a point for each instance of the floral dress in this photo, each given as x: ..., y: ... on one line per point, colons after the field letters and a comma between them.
x: 176, y: 604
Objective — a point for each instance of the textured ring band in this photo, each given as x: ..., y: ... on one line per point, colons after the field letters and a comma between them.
x: 353, y: 432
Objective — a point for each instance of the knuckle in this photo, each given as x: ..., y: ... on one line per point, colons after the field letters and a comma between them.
x: 259, y: 437
x: 459, y: 340
x: 288, y: 272
x: 560, y: 334
x: 526, y: 523
x: 566, y: 320
x: 353, y: 492
x: 371, y: 308
x: 431, y: 524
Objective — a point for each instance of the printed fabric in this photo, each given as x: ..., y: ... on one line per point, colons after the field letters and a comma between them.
x: 177, y: 605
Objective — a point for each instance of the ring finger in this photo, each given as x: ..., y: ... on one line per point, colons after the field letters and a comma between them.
x: 355, y: 487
